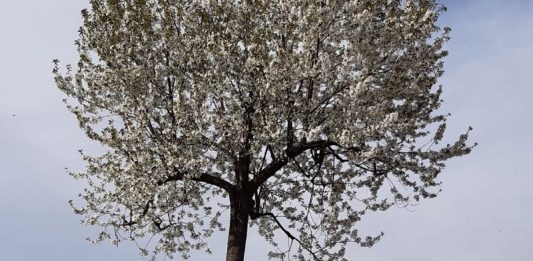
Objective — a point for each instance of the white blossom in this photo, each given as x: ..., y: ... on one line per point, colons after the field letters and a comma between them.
x: 317, y: 111
x: 314, y: 134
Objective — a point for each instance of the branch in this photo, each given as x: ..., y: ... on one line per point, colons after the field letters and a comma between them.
x: 338, y: 90
x: 145, y: 211
x: 205, y: 178
x: 290, y: 153
x: 289, y: 235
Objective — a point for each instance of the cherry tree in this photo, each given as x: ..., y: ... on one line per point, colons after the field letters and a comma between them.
x: 296, y: 116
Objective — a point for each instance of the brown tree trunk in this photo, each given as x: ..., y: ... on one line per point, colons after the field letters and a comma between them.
x: 238, y: 228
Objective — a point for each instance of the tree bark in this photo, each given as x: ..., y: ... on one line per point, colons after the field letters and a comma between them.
x: 238, y: 227
x: 240, y: 196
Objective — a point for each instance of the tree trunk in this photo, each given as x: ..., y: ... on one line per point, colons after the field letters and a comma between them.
x: 238, y: 228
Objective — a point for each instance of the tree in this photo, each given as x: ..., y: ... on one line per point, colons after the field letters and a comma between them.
x: 306, y: 114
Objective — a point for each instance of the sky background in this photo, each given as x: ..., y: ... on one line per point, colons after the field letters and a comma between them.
x: 484, y: 212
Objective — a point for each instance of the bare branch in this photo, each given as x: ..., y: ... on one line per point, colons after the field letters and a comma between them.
x: 205, y: 178
x: 290, y: 153
x: 288, y: 233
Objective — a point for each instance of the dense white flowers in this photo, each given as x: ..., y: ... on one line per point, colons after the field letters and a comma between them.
x: 314, y: 134
x: 313, y: 111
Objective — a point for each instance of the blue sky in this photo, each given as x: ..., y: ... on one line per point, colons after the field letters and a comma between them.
x: 484, y: 212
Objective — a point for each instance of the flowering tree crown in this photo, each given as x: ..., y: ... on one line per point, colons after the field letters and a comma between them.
x: 314, y: 111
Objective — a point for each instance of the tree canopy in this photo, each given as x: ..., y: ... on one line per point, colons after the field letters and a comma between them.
x: 305, y: 114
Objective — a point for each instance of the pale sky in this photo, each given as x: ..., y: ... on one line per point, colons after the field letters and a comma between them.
x: 484, y: 213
